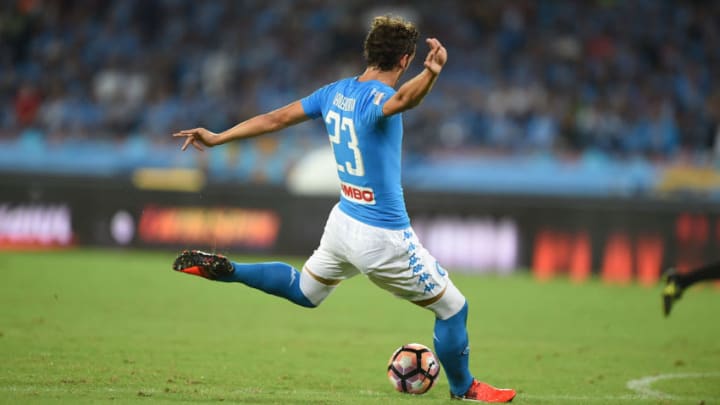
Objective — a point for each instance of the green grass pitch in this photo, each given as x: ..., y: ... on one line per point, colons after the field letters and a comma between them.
x: 89, y: 326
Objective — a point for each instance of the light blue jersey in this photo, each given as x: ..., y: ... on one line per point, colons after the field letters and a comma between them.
x: 367, y: 147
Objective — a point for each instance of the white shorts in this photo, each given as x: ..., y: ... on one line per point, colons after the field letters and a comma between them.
x: 395, y: 260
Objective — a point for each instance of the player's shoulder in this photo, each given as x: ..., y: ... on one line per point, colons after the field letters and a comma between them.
x: 368, y: 92
x: 350, y: 94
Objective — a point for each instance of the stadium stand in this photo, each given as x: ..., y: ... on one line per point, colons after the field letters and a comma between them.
x: 595, y: 97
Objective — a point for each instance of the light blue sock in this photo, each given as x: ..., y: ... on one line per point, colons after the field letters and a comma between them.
x: 276, y: 278
x: 451, y: 346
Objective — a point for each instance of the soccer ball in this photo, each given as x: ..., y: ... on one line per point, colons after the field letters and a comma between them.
x: 413, y: 369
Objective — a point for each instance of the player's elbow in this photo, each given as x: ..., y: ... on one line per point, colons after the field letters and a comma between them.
x: 410, y: 104
x: 269, y: 122
x: 273, y: 122
x: 281, y: 119
x: 414, y: 103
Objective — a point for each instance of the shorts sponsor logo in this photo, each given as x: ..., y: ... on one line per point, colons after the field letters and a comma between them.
x: 360, y: 195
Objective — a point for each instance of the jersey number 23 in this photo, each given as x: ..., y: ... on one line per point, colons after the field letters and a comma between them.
x: 344, y: 125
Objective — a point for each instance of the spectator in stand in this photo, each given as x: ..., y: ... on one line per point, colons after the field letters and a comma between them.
x: 27, y: 105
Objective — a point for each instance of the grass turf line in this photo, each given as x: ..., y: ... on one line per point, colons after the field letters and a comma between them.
x: 95, y: 326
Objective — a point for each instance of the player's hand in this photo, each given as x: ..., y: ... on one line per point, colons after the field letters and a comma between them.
x: 197, y: 137
x: 436, y: 57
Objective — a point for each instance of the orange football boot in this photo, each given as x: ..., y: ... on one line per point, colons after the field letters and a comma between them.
x: 481, y: 392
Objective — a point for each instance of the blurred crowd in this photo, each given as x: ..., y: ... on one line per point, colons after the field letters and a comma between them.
x: 620, y: 77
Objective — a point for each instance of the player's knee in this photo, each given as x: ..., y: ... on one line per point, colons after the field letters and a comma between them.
x: 314, y: 291
x: 449, y: 304
x: 313, y: 300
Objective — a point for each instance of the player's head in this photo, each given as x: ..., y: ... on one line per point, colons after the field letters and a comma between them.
x: 390, y: 43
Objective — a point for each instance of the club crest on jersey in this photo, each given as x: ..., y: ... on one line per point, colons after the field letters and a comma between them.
x: 377, y: 96
x: 360, y: 195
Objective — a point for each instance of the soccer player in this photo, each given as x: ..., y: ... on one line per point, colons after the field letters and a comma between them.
x: 676, y: 283
x: 368, y: 231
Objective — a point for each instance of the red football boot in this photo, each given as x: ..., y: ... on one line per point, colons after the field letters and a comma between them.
x: 481, y: 392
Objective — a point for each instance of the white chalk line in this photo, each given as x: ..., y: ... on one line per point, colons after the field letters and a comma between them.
x: 642, y: 388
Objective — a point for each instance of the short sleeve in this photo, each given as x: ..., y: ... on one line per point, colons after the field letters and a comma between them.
x: 312, y: 104
x: 378, y: 98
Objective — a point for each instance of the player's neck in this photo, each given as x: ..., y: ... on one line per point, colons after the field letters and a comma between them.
x: 389, y: 77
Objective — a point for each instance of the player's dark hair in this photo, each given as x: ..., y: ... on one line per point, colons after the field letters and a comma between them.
x: 388, y: 40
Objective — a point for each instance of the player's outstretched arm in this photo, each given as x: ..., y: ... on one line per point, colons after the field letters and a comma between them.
x: 272, y: 121
x: 412, y: 92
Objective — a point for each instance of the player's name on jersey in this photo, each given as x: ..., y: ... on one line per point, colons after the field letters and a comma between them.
x: 360, y: 195
x: 344, y: 103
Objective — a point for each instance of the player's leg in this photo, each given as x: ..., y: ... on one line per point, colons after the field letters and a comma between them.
x: 450, y: 336
x: 676, y: 283
x: 276, y: 278
x: 323, y: 270
x: 707, y: 272
x: 397, y: 262
x: 451, y: 345
x: 327, y: 266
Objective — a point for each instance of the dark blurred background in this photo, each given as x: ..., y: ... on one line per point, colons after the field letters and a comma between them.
x: 604, y: 109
